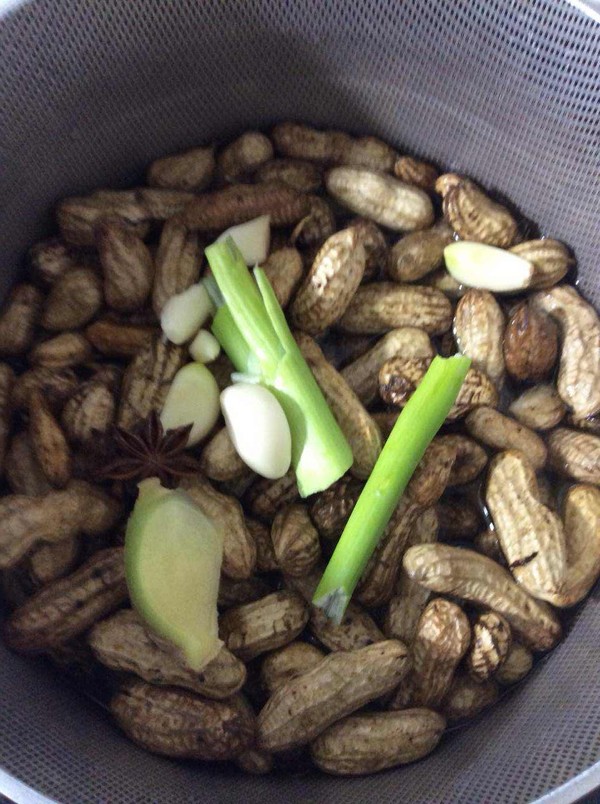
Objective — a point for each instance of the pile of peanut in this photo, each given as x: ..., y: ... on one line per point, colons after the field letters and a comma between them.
x: 459, y: 597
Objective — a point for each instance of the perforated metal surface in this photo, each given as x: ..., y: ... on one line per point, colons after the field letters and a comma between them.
x: 506, y: 90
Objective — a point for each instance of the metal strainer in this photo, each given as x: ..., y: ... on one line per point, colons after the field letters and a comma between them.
x: 507, y: 91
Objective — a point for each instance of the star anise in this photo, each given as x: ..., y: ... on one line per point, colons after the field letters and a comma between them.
x: 148, y: 451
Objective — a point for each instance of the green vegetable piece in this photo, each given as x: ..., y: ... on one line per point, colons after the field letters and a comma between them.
x: 173, y: 558
x: 416, y: 426
x: 251, y: 328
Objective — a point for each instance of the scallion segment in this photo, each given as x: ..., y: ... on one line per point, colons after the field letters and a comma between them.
x: 416, y: 426
x: 252, y: 330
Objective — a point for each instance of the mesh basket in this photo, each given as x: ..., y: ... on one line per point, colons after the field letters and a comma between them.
x: 507, y: 91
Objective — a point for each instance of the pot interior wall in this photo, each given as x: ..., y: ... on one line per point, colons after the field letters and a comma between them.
x: 506, y: 91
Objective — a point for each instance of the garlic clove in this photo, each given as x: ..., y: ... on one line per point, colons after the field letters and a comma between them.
x: 478, y: 265
x: 205, y: 347
x: 184, y: 314
x: 193, y: 398
x: 258, y: 429
x: 252, y: 239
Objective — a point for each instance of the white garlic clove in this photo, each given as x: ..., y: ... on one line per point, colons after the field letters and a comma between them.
x: 252, y: 239
x: 193, y: 398
x: 478, y: 265
x: 258, y: 429
x: 205, y: 347
x: 184, y: 314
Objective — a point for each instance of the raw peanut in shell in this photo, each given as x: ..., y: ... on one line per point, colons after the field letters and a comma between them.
x: 539, y: 407
x: 147, y: 381
x: 190, y: 171
x: 331, y: 508
x: 332, y: 147
x: 238, y: 592
x: 500, y: 432
x: 371, y: 742
x: 479, y: 332
x: 7, y: 378
x: 74, y: 299
x: 400, y: 376
x: 254, y: 761
x: 239, y: 550
x: 220, y: 460
x: 470, y: 459
x: 62, y: 351
x: 467, y: 698
x: 242, y: 202
x: 575, y: 454
x: 263, y: 625
x: 530, y: 344
x: 18, y: 319
x: 298, y: 174
x: 49, y: 562
x: 162, y: 204
x: 57, y: 515
x: 490, y: 645
x: 49, y: 442
x: 417, y: 254
x: 582, y: 532
x: 56, y: 386
x: 531, y: 535
x: 441, y: 640
x: 123, y: 643
x: 381, y: 306
x: 362, y: 375
x: 287, y: 663
x: 49, y: 259
x: 517, y: 664
x: 284, y: 270
x: 88, y: 413
x: 295, y: 541
x: 375, y: 246
x: 343, y: 682
x: 378, y: 580
x: 413, y: 171
x: 471, y: 576
x: 316, y: 226
x: 357, y: 629
x: 473, y: 215
x: 265, y: 555
x: 69, y: 606
x: 430, y: 478
x: 244, y: 155
x: 126, y: 265
x: 356, y: 424
x: 22, y: 469
x: 326, y: 291
x: 118, y: 339
x: 180, y: 724
x: 409, y: 600
x: 579, y: 371
x: 381, y: 198
x: 266, y: 497
x: 177, y: 263
x: 78, y: 217
x: 386, y: 421
x: 550, y: 259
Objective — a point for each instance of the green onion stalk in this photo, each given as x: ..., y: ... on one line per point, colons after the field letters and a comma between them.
x: 416, y: 426
x: 252, y: 330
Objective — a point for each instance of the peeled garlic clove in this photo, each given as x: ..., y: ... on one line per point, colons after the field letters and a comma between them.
x: 205, y: 347
x: 252, y: 239
x: 487, y: 267
x: 193, y: 398
x: 184, y: 314
x: 258, y: 429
